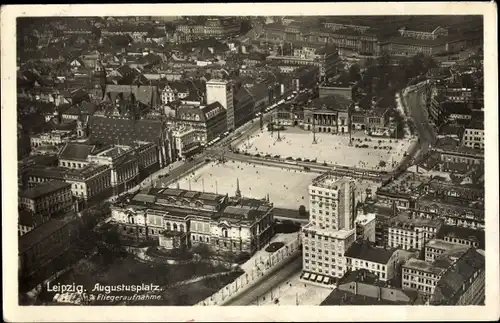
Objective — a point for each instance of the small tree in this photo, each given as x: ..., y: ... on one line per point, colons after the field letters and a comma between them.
x: 382, y: 163
x: 302, y: 210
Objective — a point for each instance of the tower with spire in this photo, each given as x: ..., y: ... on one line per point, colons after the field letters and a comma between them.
x: 238, y: 192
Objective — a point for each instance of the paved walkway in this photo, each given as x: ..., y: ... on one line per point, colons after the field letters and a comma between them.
x: 293, y: 292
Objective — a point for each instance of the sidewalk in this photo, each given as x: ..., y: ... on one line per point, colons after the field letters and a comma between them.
x: 265, y: 264
x: 258, y: 260
x: 294, y: 292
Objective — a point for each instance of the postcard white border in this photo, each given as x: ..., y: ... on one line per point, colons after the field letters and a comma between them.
x: 13, y: 312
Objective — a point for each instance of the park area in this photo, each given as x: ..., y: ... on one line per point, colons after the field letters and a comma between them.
x: 112, y: 269
x: 287, y: 188
x: 366, y: 152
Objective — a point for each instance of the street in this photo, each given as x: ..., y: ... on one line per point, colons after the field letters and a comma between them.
x: 282, y: 273
x: 416, y: 105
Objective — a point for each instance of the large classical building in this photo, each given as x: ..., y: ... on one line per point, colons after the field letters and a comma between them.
x: 123, y: 163
x: 98, y: 173
x: 110, y: 128
x: 328, y: 114
x: 209, y: 27
x: 325, y: 58
x: 47, y: 199
x: 226, y: 224
x: 331, y: 229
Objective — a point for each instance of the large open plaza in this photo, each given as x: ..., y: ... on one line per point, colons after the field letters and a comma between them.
x: 365, y: 152
x: 286, y: 188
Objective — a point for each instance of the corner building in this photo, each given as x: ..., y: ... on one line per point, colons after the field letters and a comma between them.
x: 331, y: 229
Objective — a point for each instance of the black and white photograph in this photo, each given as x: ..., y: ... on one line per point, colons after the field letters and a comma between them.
x: 196, y: 158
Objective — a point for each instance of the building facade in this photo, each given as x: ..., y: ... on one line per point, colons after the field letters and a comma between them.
x: 123, y: 163
x: 39, y: 248
x: 379, y: 261
x: 224, y: 224
x: 47, y: 199
x: 222, y: 91
x: 411, y: 233
x: 463, y: 283
x: 331, y: 229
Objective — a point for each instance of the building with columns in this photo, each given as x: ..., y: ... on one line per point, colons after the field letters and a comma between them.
x: 225, y: 224
x: 123, y: 163
x: 328, y: 114
x: 331, y: 229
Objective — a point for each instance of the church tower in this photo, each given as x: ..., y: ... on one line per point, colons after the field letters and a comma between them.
x: 100, y: 73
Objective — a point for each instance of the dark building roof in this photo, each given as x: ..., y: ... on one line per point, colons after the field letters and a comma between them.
x: 365, y: 251
x: 146, y: 94
x: 455, y: 108
x: 44, y: 189
x: 29, y: 219
x: 449, y: 288
x: 125, y: 131
x: 332, y: 102
x: 365, y: 277
x: 76, y: 151
x: 41, y: 232
x: 462, y: 233
x: 212, y: 110
x: 476, y: 123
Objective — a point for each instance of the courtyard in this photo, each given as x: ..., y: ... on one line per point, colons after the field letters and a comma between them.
x: 365, y: 152
x: 287, y: 188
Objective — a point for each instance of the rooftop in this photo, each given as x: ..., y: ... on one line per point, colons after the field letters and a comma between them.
x: 114, y: 151
x: 338, y: 234
x: 449, y: 288
x: 332, y: 102
x: 41, y: 232
x: 445, y: 245
x: 366, y: 251
x: 76, y: 151
x: 332, y: 182
x: 422, y: 265
x: 44, y: 189
x: 364, y: 218
x: 402, y: 220
x: 462, y: 233
x: 169, y: 195
x: 29, y: 219
x: 407, y: 183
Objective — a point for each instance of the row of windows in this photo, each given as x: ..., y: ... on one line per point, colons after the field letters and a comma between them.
x: 426, y: 289
x: 321, y: 192
x: 360, y: 263
x: 420, y: 280
x: 73, y: 165
x: 321, y: 257
x: 338, y: 273
x: 418, y: 272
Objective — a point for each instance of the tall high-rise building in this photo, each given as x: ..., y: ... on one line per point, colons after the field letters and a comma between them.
x: 331, y: 229
x: 222, y: 91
